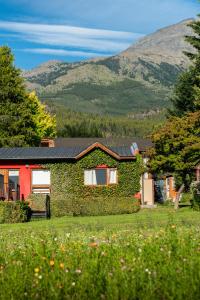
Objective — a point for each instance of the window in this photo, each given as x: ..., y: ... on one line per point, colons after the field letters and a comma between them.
x: 99, y: 176
x: 41, y: 181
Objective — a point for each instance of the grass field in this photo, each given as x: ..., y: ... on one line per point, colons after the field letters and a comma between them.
x: 154, y: 254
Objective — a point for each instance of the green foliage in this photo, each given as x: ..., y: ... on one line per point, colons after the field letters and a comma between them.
x: 76, y: 124
x: 141, y: 256
x: 195, y: 188
x: 45, y: 123
x: 98, y: 206
x: 187, y: 90
x: 23, y: 119
x: 14, y: 212
x: 67, y: 181
x: 37, y: 202
x: 119, y: 98
x: 163, y: 73
x: 186, y: 197
x: 177, y: 146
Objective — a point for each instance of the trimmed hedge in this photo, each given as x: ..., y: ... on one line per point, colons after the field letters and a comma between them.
x: 14, y: 212
x: 37, y: 202
x: 95, y: 206
x: 196, y: 195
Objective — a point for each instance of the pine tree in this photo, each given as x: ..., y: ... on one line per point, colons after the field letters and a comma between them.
x: 185, y: 98
x: 18, y: 124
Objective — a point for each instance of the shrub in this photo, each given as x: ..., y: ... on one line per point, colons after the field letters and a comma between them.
x: 14, y: 212
x: 37, y: 202
x: 195, y: 187
x: 97, y: 206
x: 186, y: 197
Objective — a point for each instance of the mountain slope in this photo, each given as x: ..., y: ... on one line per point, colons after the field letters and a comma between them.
x: 138, y: 79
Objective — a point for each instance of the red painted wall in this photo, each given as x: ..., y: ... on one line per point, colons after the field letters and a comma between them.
x: 24, y: 176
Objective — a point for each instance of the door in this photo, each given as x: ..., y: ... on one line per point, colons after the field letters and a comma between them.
x: 4, y: 184
x: 1, y: 187
x: 13, y: 182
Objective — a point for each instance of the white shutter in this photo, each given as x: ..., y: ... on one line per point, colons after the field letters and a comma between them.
x: 112, y: 176
x: 40, y: 177
x: 88, y: 177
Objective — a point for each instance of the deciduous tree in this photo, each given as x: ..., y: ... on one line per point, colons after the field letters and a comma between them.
x: 23, y: 120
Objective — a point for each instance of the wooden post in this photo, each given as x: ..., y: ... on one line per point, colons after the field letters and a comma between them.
x: 176, y: 204
x: 48, y: 207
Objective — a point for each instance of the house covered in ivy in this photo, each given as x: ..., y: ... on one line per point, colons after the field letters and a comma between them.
x: 82, y: 176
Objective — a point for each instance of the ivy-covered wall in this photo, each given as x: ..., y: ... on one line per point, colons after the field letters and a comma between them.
x: 67, y: 182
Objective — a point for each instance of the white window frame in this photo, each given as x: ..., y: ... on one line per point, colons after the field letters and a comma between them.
x: 43, y: 188
x: 91, y: 182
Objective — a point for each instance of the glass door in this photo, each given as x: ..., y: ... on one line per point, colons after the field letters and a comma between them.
x: 14, y: 188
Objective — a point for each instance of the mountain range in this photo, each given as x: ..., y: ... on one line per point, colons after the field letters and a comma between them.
x: 138, y: 80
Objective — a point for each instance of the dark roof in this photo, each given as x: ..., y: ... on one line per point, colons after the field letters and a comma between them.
x: 59, y: 153
x: 143, y: 144
x: 39, y: 153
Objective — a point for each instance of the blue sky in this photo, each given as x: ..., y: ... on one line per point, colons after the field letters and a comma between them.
x: 73, y: 30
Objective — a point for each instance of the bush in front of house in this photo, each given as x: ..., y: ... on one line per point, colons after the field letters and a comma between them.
x: 98, y: 206
x: 37, y: 202
x: 14, y: 212
x: 195, y: 188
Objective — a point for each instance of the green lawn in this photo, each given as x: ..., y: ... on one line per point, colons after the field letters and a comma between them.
x: 154, y: 254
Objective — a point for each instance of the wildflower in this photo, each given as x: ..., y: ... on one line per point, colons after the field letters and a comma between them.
x: 68, y: 235
x: 173, y: 226
x: 40, y: 276
x: 73, y: 283
x: 36, y: 270
x: 55, y: 239
x: 62, y: 248
x: 93, y: 245
x: 78, y: 271
x: 139, y: 250
x: 52, y: 263
x: 61, y: 265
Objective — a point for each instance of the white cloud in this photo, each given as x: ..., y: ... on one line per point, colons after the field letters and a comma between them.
x: 70, y: 36
x: 61, y: 52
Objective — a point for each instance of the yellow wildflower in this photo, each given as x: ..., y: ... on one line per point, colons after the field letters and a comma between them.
x: 62, y: 265
x: 36, y: 270
x: 52, y: 263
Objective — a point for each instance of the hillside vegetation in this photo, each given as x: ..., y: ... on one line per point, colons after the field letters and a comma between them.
x: 79, y: 124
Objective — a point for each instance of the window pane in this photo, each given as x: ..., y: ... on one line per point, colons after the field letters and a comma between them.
x: 13, y: 179
x: 101, y: 176
x: 113, y: 176
x: 40, y: 177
